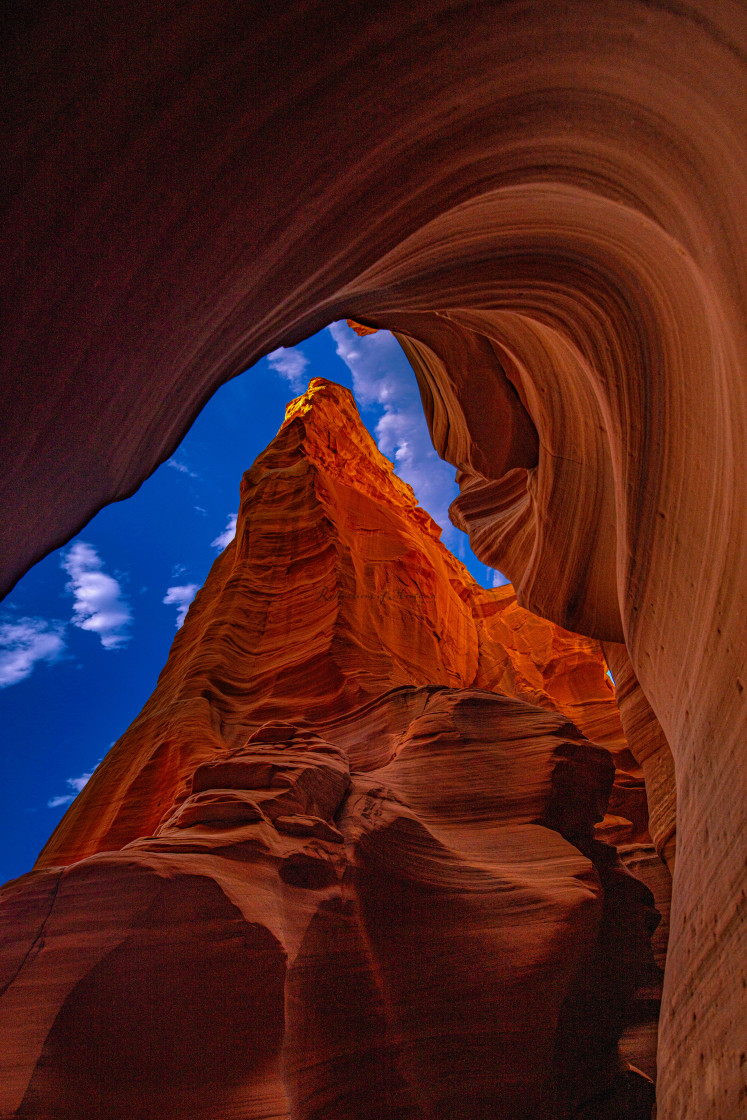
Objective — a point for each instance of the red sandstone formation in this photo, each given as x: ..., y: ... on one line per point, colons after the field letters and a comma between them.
x: 335, y: 589
x: 650, y: 749
x: 360, y: 329
x: 340, y: 866
x: 547, y: 199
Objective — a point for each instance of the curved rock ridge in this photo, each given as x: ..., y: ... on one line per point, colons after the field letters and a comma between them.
x: 651, y: 750
x: 335, y: 589
x: 191, y: 186
x: 354, y: 836
x: 438, y: 934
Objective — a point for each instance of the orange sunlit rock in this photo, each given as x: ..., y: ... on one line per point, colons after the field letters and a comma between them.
x: 360, y: 329
x: 335, y: 589
x: 346, y: 861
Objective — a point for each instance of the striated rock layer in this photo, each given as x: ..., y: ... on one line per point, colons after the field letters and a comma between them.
x: 344, y: 863
x: 547, y: 199
x: 335, y: 589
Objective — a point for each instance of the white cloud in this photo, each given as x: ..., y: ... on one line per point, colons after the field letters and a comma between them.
x: 181, y: 467
x: 25, y: 641
x: 382, y: 377
x: 76, y: 784
x: 98, y: 605
x: 225, y: 538
x: 65, y: 799
x: 290, y: 363
x: 499, y: 580
x: 181, y: 597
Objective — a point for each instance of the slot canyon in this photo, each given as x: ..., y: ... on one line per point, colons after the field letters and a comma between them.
x: 383, y: 843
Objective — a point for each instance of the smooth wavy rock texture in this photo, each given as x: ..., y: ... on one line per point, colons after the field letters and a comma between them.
x: 546, y: 199
x: 350, y: 859
x: 438, y: 935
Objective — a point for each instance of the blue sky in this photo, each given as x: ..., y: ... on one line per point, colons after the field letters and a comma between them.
x: 85, y: 633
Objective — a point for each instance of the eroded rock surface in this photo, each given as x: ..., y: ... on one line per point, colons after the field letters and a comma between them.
x: 438, y: 935
x: 347, y: 862
x: 561, y: 182
x: 335, y: 589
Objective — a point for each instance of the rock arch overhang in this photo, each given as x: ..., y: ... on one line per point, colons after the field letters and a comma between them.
x: 553, y: 190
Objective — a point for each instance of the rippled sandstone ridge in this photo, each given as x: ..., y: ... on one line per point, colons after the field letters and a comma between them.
x: 349, y: 861
x: 546, y: 200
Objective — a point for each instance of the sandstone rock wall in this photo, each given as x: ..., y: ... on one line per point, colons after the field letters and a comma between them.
x: 335, y: 589
x: 438, y: 935
x: 563, y: 183
x: 350, y: 860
